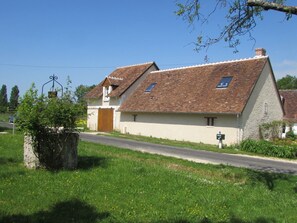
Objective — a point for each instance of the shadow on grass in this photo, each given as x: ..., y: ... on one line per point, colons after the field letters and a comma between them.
x: 90, y: 162
x: 267, y: 178
x: 5, y: 160
x: 68, y: 211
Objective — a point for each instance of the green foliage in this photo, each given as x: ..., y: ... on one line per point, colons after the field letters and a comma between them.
x: 271, y: 130
x: 14, y: 98
x: 291, y: 135
x: 287, y: 82
x: 115, y: 185
x: 49, y: 122
x: 269, y: 148
x: 80, y: 93
x: 3, y: 99
x: 38, y: 113
x: 4, y: 117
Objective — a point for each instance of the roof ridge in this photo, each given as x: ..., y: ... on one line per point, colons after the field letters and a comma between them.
x: 136, y: 64
x: 115, y: 78
x: 211, y: 64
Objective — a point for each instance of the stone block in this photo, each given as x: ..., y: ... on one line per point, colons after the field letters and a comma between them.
x: 62, y: 154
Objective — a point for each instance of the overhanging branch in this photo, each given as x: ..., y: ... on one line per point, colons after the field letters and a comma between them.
x: 273, y: 6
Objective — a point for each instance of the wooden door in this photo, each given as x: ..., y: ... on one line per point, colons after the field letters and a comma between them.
x: 105, y: 119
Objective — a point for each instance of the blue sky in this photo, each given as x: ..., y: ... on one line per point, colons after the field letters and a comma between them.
x: 88, y: 39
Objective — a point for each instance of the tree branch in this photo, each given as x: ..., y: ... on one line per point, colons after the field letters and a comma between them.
x: 273, y: 6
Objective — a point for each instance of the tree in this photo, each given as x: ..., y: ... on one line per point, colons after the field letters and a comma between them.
x: 287, y: 82
x: 80, y: 92
x: 14, y: 98
x: 241, y: 18
x: 3, y: 99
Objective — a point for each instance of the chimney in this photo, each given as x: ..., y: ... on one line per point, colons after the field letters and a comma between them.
x: 260, y: 52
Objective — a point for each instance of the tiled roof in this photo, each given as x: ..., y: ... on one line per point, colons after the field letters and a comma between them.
x: 193, y: 89
x: 113, y: 81
x: 290, y: 103
x: 96, y: 92
x: 123, y: 77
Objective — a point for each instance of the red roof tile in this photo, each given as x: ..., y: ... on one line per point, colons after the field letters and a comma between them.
x: 122, y: 77
x: 193, y: 89
x: 96, y: 92
x: 290, y: 103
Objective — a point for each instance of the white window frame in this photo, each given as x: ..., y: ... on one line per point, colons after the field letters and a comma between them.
x: 106, y: 92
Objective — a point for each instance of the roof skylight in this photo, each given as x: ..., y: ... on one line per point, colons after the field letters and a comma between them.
x: 150, y: 88
x: 225, y: 81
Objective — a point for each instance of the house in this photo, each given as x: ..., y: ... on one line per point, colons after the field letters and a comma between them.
x: 196, y: 103
x: 105, y: 99
x: 289, y: 99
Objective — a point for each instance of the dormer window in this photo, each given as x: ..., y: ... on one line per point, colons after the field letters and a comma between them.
x: 150, y: 88
x: 106, y: 92
x: 225, y: 81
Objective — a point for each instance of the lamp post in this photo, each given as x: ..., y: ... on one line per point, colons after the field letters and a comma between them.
x: 53, y: 92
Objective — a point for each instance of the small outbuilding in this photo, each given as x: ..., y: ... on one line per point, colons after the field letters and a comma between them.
x: 105, y: 99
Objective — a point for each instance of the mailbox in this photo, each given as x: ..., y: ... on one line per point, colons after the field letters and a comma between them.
x: 220, y: 136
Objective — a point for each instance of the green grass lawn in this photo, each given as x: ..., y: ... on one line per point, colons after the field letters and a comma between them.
x: 4, y: 117
x: 115, y: 185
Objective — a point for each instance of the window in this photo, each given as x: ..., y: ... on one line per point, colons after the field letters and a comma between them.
x: 265, y: 109
x: 105, y: 93
x: 134, y: 118
x: 150, y: 88
x: 224, y: 83
x: 210, y: 121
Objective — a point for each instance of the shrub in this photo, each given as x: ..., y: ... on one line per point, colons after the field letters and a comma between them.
x: 291, y: 135
x: 269, y: 148
x: 271, y: 130
x: 248, y: 145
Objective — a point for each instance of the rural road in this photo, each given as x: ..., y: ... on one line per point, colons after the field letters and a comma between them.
x: 6, y: 125
x: 199, y: 156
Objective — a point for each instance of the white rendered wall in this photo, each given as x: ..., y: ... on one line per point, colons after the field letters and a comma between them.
x: 187, y: 127
x: 92, y: 119
x: 294, y: 128
x: 263, y: 106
